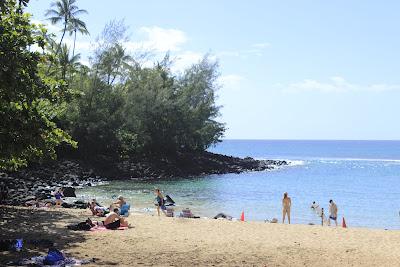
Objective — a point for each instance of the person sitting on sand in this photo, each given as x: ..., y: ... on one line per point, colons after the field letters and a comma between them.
x: 160, y: 202
x: 92, y: 204
x: 114, y: 220
x: 58, y: 195
x: 286, y: 204
x: 332, y: 212
x: 120, y: 201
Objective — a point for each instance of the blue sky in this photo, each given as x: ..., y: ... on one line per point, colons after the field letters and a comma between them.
x: 289, y: 69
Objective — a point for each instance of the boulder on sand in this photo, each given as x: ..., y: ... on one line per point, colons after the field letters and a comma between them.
x: 69, y: 192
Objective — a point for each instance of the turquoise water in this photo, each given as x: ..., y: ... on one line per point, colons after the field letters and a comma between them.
x: 362, y: 177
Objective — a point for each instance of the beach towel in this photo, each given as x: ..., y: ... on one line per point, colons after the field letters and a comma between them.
x: 39, y: 261
x: 53, y: 258
x: 102, y: 228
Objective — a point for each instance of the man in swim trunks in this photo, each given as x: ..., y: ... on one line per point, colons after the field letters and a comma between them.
x: 113, y: 220
x: 332, y: 212
x: 286, y: 204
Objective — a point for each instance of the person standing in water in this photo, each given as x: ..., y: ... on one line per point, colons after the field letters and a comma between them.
x: 286, y: 204
x: 332, y: 212
x: 160, y: 202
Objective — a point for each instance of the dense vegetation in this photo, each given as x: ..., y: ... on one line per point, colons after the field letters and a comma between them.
x: 52, y: 104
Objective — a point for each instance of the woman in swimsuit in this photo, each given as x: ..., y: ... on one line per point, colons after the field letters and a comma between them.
x: 160, y: 202
x: 286, y: 204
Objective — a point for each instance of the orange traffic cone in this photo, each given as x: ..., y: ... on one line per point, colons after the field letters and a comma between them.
x: 344, y: 223
x: 242, y: 216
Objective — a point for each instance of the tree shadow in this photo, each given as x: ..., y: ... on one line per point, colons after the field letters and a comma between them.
x: 40, y: 230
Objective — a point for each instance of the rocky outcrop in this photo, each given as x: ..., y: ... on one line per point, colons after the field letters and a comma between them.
x: 40, y: 180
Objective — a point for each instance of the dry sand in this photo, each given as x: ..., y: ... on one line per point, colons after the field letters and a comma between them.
x: 154, y: 241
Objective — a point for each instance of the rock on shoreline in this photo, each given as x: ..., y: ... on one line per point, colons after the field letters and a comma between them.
x: 38, y: 181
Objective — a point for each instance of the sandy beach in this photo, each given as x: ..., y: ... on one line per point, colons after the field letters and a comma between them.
x: 161, y: 241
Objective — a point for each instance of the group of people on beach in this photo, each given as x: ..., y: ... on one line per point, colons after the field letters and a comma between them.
x: 333, y: 210
x: 114, y: 214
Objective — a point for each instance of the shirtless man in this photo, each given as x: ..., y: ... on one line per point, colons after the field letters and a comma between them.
x: 114, y: 221
x: 286, y: 204
x: 332, y: 212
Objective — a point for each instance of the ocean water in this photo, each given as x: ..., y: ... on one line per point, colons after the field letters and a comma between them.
x: 362, y: 177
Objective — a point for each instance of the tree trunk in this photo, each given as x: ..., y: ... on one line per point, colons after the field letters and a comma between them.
x: 59, y: 45
x: 73, y: 50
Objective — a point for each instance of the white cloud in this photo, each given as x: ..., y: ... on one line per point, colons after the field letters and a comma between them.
x: 79, y: 45
x: 185, y: 60
x: 335, y: 84
x: 158, y: 39
x: 256, y: 49
x: 231, y: 81
x: 51, y: 28
x: 261, y: 45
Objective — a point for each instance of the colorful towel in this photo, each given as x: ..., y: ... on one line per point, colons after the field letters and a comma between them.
x: 102, y: 228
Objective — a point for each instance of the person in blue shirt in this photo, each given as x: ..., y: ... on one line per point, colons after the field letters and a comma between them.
x: 58, y: 195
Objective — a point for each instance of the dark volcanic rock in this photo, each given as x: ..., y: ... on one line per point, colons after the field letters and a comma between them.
x: 40, y: 180
x: 69, y: 192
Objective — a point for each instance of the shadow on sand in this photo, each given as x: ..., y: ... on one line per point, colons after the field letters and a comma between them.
x: 40, y: 230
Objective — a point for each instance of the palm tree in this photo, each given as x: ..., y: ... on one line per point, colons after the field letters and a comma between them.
x: 76, y: 25
x: 64, y: 11
x: 66, y: 62
x: 113, y: 62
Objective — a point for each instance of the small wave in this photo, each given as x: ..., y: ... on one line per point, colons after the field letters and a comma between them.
x: 335, y: 160
x: 296, y: 162
x: 291, y: 162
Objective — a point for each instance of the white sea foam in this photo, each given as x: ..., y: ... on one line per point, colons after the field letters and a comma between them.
x: 336, y: 160
x: 296, y: 162
x: 291, y: 162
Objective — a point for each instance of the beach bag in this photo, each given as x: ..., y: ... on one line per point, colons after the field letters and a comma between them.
x: 53, y: 256
x: 170, y: 212
x: 82, y: 226
x: 125, y: 209
x: 186, y: 213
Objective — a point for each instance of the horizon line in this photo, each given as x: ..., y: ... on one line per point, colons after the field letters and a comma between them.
x: 277, y: 139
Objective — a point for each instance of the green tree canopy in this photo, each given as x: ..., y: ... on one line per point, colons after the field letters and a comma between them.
x: 28, y: 101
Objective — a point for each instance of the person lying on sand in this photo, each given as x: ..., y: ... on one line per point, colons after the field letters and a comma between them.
x: 97, y: 209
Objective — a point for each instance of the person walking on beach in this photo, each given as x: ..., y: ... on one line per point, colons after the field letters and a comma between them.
x: 160, y: 202
x: 332, y: 212
x: 286, y: 204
